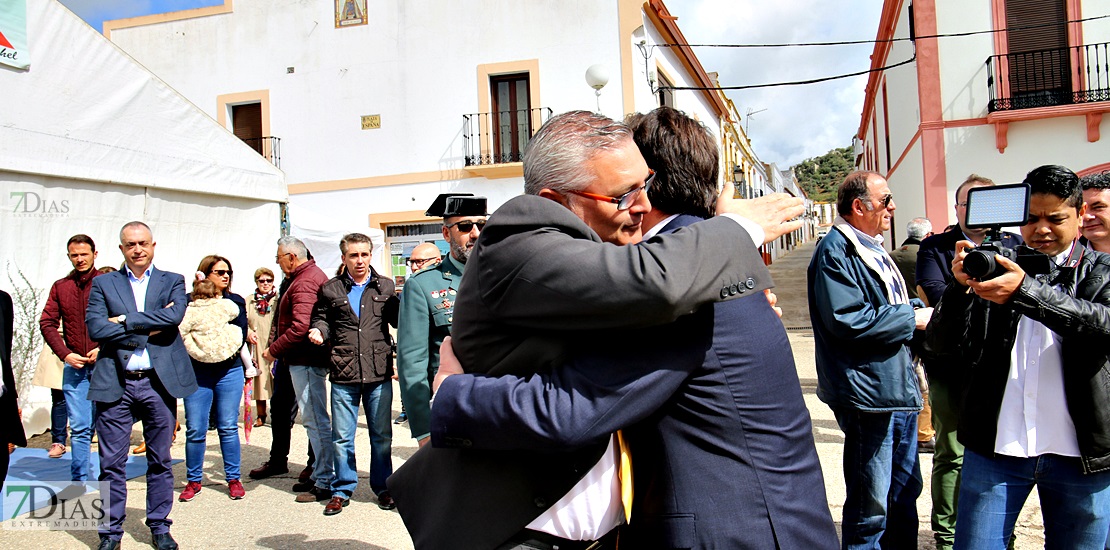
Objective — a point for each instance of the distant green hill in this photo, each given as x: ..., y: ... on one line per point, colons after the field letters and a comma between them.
x: 819, y: 176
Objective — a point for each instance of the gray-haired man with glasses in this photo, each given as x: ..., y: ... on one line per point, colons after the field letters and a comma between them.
x: 546, y: 279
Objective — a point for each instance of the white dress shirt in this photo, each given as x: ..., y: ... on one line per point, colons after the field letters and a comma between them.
x: 139, y: 360
x: 1033, y: 419
x: 593, y: 507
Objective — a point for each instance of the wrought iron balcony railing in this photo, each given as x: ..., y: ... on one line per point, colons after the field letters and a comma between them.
x: 269, y: 147
x: 501, y: 136
x: 1045, y: 78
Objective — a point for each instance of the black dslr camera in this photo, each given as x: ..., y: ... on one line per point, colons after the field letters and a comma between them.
x: 994, y: 208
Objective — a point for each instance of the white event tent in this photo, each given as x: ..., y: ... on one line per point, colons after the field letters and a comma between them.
x: 89, y: 140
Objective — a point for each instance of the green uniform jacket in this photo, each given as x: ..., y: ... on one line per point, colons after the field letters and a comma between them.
x: 427, y: 308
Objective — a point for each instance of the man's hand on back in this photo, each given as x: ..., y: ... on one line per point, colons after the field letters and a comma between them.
x: 448, y: 364
x: 777, y: 213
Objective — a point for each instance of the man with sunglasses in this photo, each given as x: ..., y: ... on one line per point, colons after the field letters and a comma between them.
x: 428, y: 306
x: 546, y: 279
x: 863, y: 323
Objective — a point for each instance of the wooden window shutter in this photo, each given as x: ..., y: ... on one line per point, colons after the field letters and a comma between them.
x: 246, y: 123
x: 1038, y: 58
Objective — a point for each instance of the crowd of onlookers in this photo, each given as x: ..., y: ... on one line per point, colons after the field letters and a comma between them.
x: 1003, y: 374
x: 124, y: 346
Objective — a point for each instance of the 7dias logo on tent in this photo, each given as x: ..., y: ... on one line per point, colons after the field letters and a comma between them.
x: 29, y: 204
x: 13, y: 34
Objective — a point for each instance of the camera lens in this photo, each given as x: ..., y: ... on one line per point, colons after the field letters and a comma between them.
x: 979, y: 263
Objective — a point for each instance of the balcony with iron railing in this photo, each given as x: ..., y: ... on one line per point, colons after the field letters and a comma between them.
x: 500, y: 137
x: 269, y: 147
x: 1048, y: 78
x: 1045, y: 84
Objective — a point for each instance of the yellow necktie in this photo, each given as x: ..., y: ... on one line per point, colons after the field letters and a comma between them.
x: 624, y: 475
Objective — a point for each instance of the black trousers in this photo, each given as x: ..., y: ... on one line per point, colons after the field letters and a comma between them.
x: 283, y: 414
x: 5, y: 458
x: 58, y: 418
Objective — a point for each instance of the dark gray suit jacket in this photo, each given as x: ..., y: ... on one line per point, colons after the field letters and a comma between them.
x: 538, y: 283
x: 721, y: 418
x: 111, y: 296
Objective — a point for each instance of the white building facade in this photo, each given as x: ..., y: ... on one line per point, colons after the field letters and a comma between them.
x: 380, y: 107
x: 1026, y: 84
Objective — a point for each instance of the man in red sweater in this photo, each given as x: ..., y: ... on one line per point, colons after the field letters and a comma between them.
x: 65, y: 309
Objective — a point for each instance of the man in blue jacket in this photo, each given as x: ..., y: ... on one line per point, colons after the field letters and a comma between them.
x: 141, y: 371
x: 863, y: 323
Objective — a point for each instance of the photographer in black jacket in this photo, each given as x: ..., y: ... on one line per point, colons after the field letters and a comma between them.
x: 1038, y: 405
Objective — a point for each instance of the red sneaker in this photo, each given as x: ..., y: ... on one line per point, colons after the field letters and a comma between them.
x: 191, y: 490
x: 235, y: 489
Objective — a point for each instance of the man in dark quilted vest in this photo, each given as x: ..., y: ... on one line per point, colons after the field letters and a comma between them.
x: 352, y: 316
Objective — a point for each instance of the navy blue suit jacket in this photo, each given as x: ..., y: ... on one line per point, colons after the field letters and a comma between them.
x: 722, y: 444
x: 111, y: 296
x: 934, y: 274
x: 934, y: 261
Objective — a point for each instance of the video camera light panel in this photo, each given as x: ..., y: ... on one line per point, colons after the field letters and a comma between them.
x: 998, y: 206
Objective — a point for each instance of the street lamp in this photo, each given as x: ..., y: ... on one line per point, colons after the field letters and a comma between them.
x: 738, y: 180
x: 597, y: 76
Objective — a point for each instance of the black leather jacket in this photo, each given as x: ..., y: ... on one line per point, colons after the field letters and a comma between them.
x: 1075, y: 304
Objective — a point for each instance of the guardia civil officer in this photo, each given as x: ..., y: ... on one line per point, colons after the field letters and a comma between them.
x: 428, y: 306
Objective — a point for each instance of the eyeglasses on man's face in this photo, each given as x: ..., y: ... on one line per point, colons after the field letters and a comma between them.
x: 625, y: 201
x: 282, y: 255
x: 466, y: 226
x: 886, y: 199
x: 419, y: 262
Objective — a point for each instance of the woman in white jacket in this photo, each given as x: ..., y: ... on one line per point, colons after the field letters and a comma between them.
x: 213, y: 330
x: 206, y: 329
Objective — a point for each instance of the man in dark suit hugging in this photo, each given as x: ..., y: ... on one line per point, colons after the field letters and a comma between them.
x: 547, y: 281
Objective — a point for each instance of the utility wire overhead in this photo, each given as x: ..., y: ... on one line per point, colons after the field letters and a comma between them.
x: 901, y: 39
x: 796, y: 82
x: 840, y: 43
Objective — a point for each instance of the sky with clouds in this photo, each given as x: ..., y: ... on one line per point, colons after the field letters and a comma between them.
x: 796, y: 122
x: 799, y: 121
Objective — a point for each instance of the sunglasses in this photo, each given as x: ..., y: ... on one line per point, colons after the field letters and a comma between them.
x: 265, y: 281
x: 222, y: 272
x: 886, y: 200
x: 625, y: 201
x: 466, y: 225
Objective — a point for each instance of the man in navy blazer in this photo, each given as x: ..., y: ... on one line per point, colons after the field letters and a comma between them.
x: 721, y: 441
x: 948, y: 375
x: 141, y: 371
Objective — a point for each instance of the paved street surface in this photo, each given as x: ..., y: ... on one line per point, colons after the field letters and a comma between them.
x: 269, y: 518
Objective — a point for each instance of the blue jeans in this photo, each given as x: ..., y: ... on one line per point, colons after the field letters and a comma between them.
x: 82, y: 414
x: 225, y: 387
x: 1075, y: 506
x: 377, y: 400
x: 882, y: 476
x: 312, y: 399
